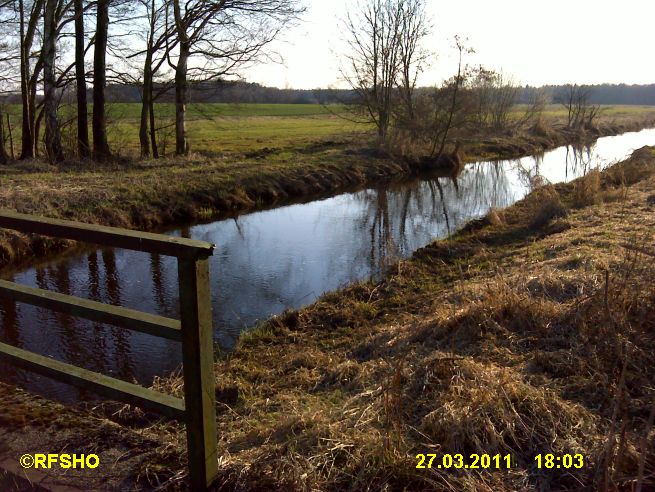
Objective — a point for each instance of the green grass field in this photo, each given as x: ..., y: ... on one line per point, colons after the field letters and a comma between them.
x: 216, y: 129
x: 213, y: 127
x: 558, y: 111
x: 217, y: 110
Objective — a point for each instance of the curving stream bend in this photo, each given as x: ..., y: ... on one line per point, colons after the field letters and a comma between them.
x: 268, y: 261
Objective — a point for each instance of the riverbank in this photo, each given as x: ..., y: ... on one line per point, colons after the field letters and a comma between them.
x: 154, y: 194
x: 529, y: 332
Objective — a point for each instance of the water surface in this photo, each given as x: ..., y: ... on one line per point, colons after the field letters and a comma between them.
x: 268, y: 261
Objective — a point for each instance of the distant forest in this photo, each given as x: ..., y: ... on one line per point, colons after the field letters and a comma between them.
x: 248, y: 92
x: 600, y: 94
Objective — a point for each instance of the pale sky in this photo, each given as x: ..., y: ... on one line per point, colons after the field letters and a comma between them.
x: 538, y: 43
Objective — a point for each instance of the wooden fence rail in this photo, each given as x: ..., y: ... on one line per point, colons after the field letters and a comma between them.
x: 193, y: 330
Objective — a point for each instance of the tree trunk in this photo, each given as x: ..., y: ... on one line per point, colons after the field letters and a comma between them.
x: 100, y: 146
x: 153, y: 130
x: 147, y: 110
x: 143, y: 125
x: 83, y: 148
x: 52, y: 136
x: 145, y: 105
x: 32, y: 86
x: 27, y: 137
x: 30, y: 79
x: 458, y: 81
x: 3, y: 153
x: 181, y: 95
x: 11, y: 138
x: 181, y: 87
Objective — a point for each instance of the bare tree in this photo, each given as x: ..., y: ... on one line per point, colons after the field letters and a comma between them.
x: 223, y: 35
x: 536, y: 104
x: 147, y: 137
x: 373, y: 65
x: 414, y: 28
x: 580, y: 112
x: 443, y: 128
x: 22, y: 61
x: 493, y: 96
x: 505, y: 94
x: 20, y: 21
x: 142, y: 24
x: 481, y: 86
x: 31, y: 53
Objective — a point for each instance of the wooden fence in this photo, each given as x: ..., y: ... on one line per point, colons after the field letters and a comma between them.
x: 194, y: 330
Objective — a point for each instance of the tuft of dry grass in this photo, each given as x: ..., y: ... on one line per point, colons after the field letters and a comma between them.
x: 586, y: 190
x: 495, y: 217
x: 542, y: 128
x: 546, y: 206
x: 487, y: 409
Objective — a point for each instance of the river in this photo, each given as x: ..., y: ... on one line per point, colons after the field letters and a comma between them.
x: 269, y: 261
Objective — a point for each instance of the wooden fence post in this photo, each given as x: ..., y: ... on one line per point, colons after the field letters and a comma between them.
x: 198, y: 366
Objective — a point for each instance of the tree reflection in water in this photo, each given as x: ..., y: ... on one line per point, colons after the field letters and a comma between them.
x: 272, y: 260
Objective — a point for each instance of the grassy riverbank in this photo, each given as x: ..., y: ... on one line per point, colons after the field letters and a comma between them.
x: 321, y: 157
x: 529, y: 332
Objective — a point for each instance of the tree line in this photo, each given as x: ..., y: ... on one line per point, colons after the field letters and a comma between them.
x: 599, y: 93
x: 51, y: 48
x: 389, y: 45
x: 243, y: 92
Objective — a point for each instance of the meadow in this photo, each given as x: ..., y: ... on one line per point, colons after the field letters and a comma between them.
x: 216, y: 128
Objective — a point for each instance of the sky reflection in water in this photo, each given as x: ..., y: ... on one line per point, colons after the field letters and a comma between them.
x: 269, y: 261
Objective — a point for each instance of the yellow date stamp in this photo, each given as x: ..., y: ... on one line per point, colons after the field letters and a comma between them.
x: 470, y: 461
x: 497, y: 461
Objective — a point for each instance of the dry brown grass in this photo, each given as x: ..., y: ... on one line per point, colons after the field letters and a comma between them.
x: 495, y: 217
x: 546, y: 206
x: 586, y: 190
x: 504, y: 339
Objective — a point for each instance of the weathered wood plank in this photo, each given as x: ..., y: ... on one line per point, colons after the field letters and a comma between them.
x: 106, y: 236
x: 198, y: 367
x: 92, y: 310
x: 123, y: 391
